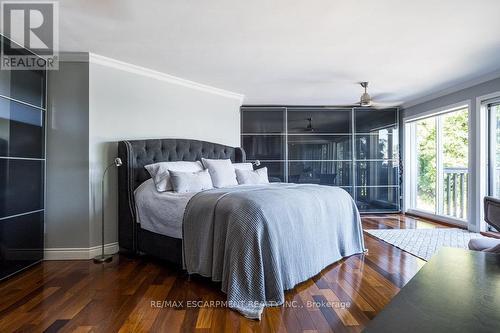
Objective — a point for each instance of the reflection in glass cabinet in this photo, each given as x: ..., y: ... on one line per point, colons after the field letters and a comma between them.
x: 377, y: 173
x: 275, y: 170
x: 21, y: 130
x: 313, y: 120
x: 383, y: 144
x: 319, y: 147
x: 264, y: 147
x: 263, y: 120
x: 377, y: 199
x: 354, y: 148
x: 320, y: 172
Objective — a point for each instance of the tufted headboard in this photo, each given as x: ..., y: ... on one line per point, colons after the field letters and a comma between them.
x: 136, y: 154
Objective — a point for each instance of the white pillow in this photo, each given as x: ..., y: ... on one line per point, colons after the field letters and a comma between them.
x: 187, y: 182
x: 258, y: 176
x: 221, y: 171
x: 160, y: 172
x: 243, y: 166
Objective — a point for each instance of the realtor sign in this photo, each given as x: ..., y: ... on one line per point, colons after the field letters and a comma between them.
x: 34, y: 26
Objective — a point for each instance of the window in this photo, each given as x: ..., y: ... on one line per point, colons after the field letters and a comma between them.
x: 437, y: 157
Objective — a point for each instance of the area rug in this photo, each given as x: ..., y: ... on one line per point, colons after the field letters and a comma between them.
x: 423, y: 243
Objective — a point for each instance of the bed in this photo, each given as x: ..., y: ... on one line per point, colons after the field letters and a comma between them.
x: 135, y: 155
x: 257, y: 240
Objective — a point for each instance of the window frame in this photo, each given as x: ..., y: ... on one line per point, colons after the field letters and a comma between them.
x: 480, y: 178
x: 491, y: 138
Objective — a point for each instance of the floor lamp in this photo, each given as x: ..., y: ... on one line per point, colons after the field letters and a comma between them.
x: 102, y: 257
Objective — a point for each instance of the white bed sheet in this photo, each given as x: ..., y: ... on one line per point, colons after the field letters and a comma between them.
x: 160, y: 212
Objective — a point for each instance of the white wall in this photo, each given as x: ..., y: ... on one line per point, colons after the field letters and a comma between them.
x: 128, y: 102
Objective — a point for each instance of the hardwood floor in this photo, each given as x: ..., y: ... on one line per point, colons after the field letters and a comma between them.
x: 122, y: 296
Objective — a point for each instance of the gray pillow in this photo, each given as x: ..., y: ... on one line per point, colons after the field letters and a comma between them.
x: 258, y: 176
x: 187, y: 182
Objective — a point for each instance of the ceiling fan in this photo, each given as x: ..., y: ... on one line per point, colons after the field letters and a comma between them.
x: 309, y: 127
x: 367, y: 101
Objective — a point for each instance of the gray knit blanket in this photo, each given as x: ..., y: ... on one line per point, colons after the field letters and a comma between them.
x: 262, y: 240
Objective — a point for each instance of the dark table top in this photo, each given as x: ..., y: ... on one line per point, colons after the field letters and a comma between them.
x: 456, y: 291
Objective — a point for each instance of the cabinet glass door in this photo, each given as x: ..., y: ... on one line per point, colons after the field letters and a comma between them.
x: 22, y: 167
x: 320, y: 146
x: 263, y: 137
x: 376, y: 159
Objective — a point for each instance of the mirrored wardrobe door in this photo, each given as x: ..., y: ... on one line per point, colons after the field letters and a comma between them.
x: 22, y: 168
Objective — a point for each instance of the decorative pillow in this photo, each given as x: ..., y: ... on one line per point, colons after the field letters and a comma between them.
x: 221, y: 171
x: 243, y: 166
x: 187, y: 182
x: 258, y: 176
x: 160, y: 172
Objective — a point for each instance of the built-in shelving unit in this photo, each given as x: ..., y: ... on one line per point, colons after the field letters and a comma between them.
x: 354, y: 148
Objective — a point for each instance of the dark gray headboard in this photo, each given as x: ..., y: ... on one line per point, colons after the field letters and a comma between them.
x: 136, y: 154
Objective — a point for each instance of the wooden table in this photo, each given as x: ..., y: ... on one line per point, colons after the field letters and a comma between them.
x: 456, y: 291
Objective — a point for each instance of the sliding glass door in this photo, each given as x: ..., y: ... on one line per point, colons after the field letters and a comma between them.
x: 426, y: 170
x: 455, y: 160
x: 437, y: 157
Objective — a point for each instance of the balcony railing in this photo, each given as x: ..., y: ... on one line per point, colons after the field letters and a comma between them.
x: 455, y: 192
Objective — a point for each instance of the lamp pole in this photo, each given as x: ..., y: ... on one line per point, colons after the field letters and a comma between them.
x: 105, y: 258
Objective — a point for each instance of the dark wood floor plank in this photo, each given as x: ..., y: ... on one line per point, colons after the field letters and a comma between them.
x: 79, y: 296
x: 56, y: 326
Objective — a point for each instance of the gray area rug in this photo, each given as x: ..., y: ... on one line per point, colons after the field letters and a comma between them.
x: 423, y: 243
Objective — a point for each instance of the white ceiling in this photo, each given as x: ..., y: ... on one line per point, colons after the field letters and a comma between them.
x: 295, y: 52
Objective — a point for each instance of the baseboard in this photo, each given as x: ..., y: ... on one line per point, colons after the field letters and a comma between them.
x: 449, y: 222
x: 79, y: 253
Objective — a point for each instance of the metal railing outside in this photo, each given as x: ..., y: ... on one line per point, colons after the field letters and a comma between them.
x: 455, y: 192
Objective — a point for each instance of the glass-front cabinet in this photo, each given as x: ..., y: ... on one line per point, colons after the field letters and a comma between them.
x: 376, y: 159
x: 266, y: 140
x: 320, y: 146
x: 353, y: 148
x: 22, y: 168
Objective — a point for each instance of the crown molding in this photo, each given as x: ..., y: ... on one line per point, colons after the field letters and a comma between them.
x: 74, y: 56
x: 134, y: 69
x: 453, y: 89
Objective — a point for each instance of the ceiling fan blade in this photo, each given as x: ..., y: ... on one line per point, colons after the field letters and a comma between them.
x: 380, y: 105
x: 357, y: 103
x: 382, y: 96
